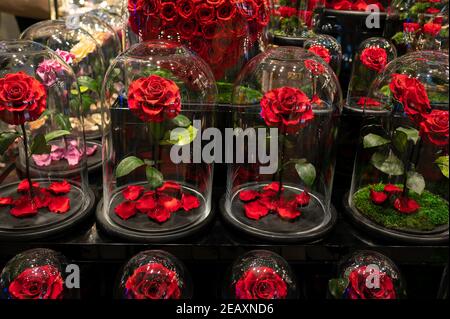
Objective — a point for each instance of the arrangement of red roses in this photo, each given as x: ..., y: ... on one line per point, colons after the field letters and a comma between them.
x: 348, y: 5
x: 41, y: 282
x: 215, y: 29
x: 433, y: 126
x: 261, y: 283
x: 321, y: 51
x: 154, y: 100
x: 292, y: 21
x: 153, y: 281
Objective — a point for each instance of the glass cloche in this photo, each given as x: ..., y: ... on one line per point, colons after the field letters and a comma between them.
x: 261, y: 275
x: 38, y: 95
x: 37, y: 274
x: 367, y: 275
x: 327, y: 48
x: 225, y: 34
x: 158, y: 96
x: 286, y: 105
x: 400, y: 180
x: 64, y: 8
x: 154, y: 275
x: 82, y: 52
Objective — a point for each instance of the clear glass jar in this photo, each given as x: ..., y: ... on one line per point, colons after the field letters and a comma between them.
x: 327, y: 48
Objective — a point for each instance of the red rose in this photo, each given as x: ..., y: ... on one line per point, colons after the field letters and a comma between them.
x: 185, y: 8
x: 321, y: 51
x: 247, y: 8
x: 261, y: 283
x: 432, y: 10
x: 204, y: 13
x: 263, y: 15
x: 412, y: 94
x: 358, y: 285
x: 22, y: 98
x: 306, y: 17
x: 340, y: 5
x: 374, y: 58
x: 225, y: 11
x: 168, y: 11
x: 287, y: 12
x: 411, y: 26
x: 215, y: 3
x: 135, y: 5
x: 286, y: 107
x: 153, y: 281
x: 406, y: 205
x: 315, y: 67
x: 435, y: 127
x: 154, y: 98
x: 187, y: 29
x: 432, y: 29
x: 212, y: 30
x: 42, y: 282
x: 378, y: 198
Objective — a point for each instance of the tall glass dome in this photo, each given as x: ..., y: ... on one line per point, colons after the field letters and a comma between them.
x: 286, y: 104
x: 400, y: 179
x: 64, y: 8
x: 38, y: 95
x: 82, y: 52
x: 157, y: 98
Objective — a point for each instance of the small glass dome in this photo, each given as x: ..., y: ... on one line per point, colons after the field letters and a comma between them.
x: 400, y: 180
x: 293, y: 20
x: 154, y: 274
x: 36, y: 274
x: 158, y: 96
x: 114, y: 20
x: 82, y: 52
x: 326, y: 47
x: 417, y: 25
x: 367, y: 275
x: 263, y: 275
x: 286, y: 102
x: 38, y: 96
x: 225, y: 34
x: 372, y: 56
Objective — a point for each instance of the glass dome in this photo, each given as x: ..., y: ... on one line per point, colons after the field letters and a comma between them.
x: 400, y: 180
x: 292, y: 20
x: 367, y: 275
x: 154, y: 274
x: 38, y: 95
x: 82, y: 52
x: 158, y: 96
x: 417, y: 25
x: 261, y: 274
x: 291, y: 99
x: 67, y: 7
x: 326, y: 47
x: 225, y: 34
x: 36, y: 274
x: 114, y: 20
x: 372, y: 56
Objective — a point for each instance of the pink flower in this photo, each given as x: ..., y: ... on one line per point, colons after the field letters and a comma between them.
x: 57, y: 153
x: 66, y: 56
x: 48, y: 70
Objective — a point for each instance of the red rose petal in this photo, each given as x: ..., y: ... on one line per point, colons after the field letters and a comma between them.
x: 125, y: 210
x: 392, y: 189
x: 171, y: 204
x: 132, y: 192
x: 24, y: 207
x: 59, y: 205
x: 288, y: 210
x: 303, y: 198
x: 378, y: 198
x: 274, y: 186
x: 59, y: 187
x: 269, y: 202
x: 169, y: 186
x: 248, y: 195
x: 24, y: 186
x: 42, y: 199
x: 5, y: 201
x: 406, y: 205
x: 189, y: 202
x: 160, y: 214
x: 146, y: 202
x: 255, y: 210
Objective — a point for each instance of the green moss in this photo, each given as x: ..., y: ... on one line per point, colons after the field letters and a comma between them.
x: 433, y: 210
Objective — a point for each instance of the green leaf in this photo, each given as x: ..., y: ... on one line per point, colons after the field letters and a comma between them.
x: 183, y: 136
x: 55, y: 134
x: 307, y: 172
x: 374, y: 140
x: 442, y: 163
x: 88, y: 82
x: 154, y: 177
x: 385, y: 90
x: 39, y: 145
x: 337, y: 287
x: 86, y: 102
x: 6, y: 139
x: 415, y: 182
x: 181, y: 121
x: 401, y: 137
x: 127, y: 165
x: 388, y: 164
x: 149, y: 162
x: 411, y: 133
x: 63, y: 122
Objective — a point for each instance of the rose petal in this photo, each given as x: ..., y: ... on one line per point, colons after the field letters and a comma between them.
x: 6, y: 201
x: 169, y: 186
x: 303, y: 198
x: 146, y: 202
x: 59, y: 187
x: 171, y: 204
x: 378, y: 198
x: 59, y: 205
x: 274, y: 186
x: 24, y: 186
x: 269, y: 202
x: 42, y: 160
x: 73, y: 155
x: 132, y: 192
x: 24, y: 207
x: 90, y: 150
x: 42, y: 199
x: 392, y: 189
x: 56, y: 153
x: 159, y: 214
x: 248, y: 195
x: 189, y: 202
x: 255, y: 210
x: 288, y: 210
x: 125, y: 210
x: 406, y: 205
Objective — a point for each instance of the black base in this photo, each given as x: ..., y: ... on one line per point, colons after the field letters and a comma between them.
x: 379, y: 231
x: 287, y: 40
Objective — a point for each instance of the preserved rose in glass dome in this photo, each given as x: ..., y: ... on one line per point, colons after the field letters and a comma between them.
x: 36, y: 274
x: 157, y: 98
x: 287, y: 103
x: 327, y: 48
x: 372, y: 56
x: 224, y: 33
x: 263, y: 275
x: 82, y: 52
x: 154, y: 274
x: 400, y: 180
x: 418, y: 25
x: 67, y: 7
x: 38, y: 96
x: 367, y: 275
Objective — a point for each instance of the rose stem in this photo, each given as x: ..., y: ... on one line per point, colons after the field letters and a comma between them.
x: 27, y: 163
